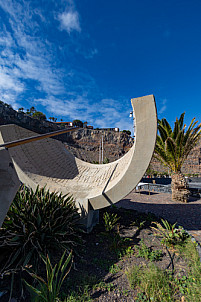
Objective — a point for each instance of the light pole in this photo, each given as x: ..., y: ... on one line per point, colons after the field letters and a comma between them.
x: 132, y: 115
x: 101, y: 151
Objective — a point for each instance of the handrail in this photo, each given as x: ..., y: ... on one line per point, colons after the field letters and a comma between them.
x: 36, y: 138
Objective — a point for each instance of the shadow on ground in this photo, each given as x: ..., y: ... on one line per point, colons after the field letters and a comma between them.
x: 187, y: 215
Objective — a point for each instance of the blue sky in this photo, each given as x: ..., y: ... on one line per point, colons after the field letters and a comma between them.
x: 86, y: 59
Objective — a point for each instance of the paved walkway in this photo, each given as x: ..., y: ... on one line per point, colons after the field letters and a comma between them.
x: 187, y: 215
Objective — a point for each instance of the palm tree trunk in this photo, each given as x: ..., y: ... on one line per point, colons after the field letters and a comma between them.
x: 180, y: 191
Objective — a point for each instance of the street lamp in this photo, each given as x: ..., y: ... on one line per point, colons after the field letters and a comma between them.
x: 132, y: 115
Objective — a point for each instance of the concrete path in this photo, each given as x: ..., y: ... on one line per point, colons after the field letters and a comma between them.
x: 187, y: 215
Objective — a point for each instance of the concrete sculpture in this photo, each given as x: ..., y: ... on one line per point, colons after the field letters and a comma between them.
x: 47, y: 162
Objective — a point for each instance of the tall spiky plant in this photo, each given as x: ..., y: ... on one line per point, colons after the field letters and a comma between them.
x: 172, y: 149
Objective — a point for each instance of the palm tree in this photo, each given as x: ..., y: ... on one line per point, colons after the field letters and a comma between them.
x: 172, y: 149
x: 32, y: 109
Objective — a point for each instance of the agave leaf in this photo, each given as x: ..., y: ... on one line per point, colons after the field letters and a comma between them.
x: 33, y: 289
x: 14, y: 258
x: 63, y: 268
x: 16, y: 238
x: 28, y: 257
x: 38, y: 278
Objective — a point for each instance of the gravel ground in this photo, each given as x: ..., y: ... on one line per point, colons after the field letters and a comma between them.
x: 187, y: 215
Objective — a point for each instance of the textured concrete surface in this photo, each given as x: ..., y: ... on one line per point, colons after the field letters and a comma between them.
x: 48, y: 163
x: 187, y: 215
x: 9, y: 183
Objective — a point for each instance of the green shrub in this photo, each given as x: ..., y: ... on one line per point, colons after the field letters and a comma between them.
x: 170, y: 234
x: 37, y: 223
x: 110, y: 221
x: 48, y: 291
x: 146, y: 252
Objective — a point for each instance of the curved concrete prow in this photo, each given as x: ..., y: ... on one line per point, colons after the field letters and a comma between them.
x: 145, y: 120
x: 48, y: 163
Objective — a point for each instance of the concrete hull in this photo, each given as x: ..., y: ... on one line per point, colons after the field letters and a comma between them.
x: 48, y: 163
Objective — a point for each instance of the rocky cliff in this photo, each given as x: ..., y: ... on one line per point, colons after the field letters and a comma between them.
x: 84, y: 143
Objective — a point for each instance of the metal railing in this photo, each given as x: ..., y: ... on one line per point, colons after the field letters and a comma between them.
x: 36, y: 138
x: 153, y: 188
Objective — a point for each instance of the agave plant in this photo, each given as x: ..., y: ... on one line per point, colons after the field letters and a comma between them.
x: 38, y: 223
x: 49, y: 290
x: 172, y: 149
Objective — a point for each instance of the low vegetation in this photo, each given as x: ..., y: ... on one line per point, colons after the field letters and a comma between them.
x: 38, y: 223
x: 128, y: 256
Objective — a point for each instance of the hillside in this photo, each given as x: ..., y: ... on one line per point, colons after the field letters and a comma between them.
x: 83, y: 143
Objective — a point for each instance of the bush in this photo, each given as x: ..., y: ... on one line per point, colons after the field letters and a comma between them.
x: 39, y: 115
x: 37, y: 223
x: 127, y: 132
x: 78, y: 123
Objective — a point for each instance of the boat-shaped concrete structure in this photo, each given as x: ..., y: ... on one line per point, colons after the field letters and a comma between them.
x: 94, y: 186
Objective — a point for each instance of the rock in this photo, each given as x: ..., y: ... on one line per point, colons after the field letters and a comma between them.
x: 116, y: 144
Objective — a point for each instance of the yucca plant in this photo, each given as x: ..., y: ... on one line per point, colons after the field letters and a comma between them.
x: 49, y: 290
x: 169, y: 233
x: 110, y: 221
x: 37, y: 223
x: 172, y: 149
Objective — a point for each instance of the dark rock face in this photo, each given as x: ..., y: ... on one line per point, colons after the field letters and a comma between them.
x: 10, y: 116
x: 84, y: 143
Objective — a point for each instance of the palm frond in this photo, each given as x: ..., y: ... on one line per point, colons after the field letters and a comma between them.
x: 181, y: 120
x: 166, y: 126
x: 163, y: 133
x: 173, y: 147
x: 176, y: 129
x: 171, y: 150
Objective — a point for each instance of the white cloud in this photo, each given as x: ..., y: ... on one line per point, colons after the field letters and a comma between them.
x: 103, y: 113
x: 8, y: 82
x: 39, y: 69
x: 10, y: 87
x: 25, y: 56
x: 29, y: 58
x: 91, y: 53
x: 6, y: 39
x: 164, y: 106
x: 70, y: 21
